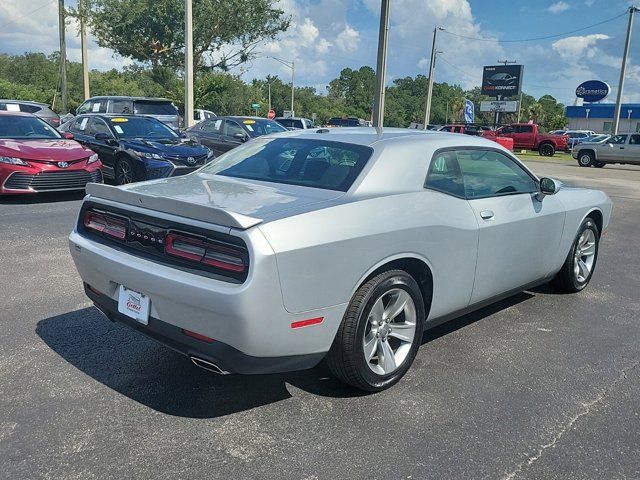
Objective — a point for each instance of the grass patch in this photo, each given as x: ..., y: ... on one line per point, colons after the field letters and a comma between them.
x: 558, y: 157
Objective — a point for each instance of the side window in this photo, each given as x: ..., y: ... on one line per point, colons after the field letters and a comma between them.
x: 80, y: 125
x: 231, y: 128
x: 618, y: 139
x: 488, y: 173
x: 444, y: 174
x: 120, y: 106
x: 29, y: 108
x: 84, y: 108
x: 98, y: 126
x: 526, y: 128
x: 634, y: 140
x: 298, y: 124
x: 97, y: 106
x: 211, y: 126
x: 508, y: 129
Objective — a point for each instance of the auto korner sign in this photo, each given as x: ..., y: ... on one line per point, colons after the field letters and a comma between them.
x: 593, y: 91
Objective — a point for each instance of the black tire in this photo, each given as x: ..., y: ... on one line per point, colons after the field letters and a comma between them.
x: 546, y: 150
x: 586, y: 158
x: 346, y: 358
x: 124, y: 164
x: 599, y: 164
x: 566, y: 280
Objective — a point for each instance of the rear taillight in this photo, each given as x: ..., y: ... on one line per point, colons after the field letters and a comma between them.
x: 105, y: 224
x: 205, y: 252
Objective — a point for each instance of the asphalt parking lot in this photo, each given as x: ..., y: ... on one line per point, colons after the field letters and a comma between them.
x: 537, y: 386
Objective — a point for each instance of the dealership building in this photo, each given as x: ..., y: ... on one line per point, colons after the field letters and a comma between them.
x: 599, y: 117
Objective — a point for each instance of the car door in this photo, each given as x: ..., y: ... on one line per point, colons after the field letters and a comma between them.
x: 208, y: 132
x: 615, y: 149
x: 106, y: 149
x: 518, y: 233
x: 633, y: 149
x: 231, y: 128
x: 510, y: 131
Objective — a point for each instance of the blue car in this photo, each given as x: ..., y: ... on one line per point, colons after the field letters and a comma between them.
x: 134, y: 148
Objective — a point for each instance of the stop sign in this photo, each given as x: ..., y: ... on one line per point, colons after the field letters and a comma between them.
x: 271, y: 115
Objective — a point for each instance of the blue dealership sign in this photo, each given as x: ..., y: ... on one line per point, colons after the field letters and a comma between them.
x: 593, y: 91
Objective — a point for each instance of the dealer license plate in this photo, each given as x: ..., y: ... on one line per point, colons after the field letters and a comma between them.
x: 133, y: 304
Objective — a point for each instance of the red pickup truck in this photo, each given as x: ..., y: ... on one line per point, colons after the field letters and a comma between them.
x: 528, y: 136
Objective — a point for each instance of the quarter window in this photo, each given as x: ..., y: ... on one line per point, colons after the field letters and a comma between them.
x: 445, y: 175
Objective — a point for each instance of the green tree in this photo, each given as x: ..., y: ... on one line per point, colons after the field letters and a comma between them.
x: 225, y: 32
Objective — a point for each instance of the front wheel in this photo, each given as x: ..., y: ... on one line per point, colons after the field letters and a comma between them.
x: 580, y: 264
x: 380, y: 333
x: 547, y: 150
x: 124, y: 171
x: 586, y: 159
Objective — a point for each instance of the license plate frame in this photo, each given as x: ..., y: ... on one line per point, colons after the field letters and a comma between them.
x: 134, y: 304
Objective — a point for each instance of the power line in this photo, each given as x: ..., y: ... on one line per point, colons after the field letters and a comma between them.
x: 28, y: 13
x: 535, y: 39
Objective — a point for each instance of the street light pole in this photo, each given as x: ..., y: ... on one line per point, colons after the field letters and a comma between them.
x: 188, y: 63
x: 432, y: 68
x: 63, y: 57
x: 292, y: 66
x: 381, y: 66
x: 623, y: 70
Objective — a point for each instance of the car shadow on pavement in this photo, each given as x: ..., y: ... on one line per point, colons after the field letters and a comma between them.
x: 156, y: 376
x: 164, y: 380
x: 35, y: 198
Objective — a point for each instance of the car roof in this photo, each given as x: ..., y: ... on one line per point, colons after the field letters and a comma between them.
x: 368, y: 136
x: 124, y: 97
x: 21, y: 114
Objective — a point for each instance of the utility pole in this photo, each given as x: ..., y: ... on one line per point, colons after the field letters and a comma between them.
x: 63, y: 58
x: 293, y: 70
x: 83, y: 47
x: 432, y: 69
x: 269, y: 85
x: 623, y: 70
x: 381, y: 66
x: 188, y: 63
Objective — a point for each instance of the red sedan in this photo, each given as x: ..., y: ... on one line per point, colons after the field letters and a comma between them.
x: 34, y: 157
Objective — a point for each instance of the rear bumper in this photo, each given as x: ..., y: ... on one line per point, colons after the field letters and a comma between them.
x: 248, y: 321
x: 229, y: 359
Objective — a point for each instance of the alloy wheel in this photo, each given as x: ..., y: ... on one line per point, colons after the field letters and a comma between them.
x: 584, y: 256
x: 125, y: 175
x: 390, y: 331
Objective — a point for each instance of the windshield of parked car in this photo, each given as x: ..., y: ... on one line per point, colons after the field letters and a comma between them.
x: 257, y: 127
x: 140, y: 127
x: 24, y: 127
x: 304, y: 162
x: 145, y: 107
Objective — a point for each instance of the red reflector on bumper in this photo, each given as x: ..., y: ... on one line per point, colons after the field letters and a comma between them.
x: 198, y: 336
x: 306, y: 323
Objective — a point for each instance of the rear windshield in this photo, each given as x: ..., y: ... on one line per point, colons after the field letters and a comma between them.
x: 25, y: 127
x: 141, y: 127
x: 145, y: 107
x: 309, y: 163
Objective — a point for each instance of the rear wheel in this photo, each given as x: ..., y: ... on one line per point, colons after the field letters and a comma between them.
x: 380, y: 333
x: 586, y: 159
x: 580, y: 264
x: 124, y: 171
x: 546, y: 150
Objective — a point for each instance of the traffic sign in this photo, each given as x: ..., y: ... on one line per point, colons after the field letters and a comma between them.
x: 272, y: 114
x: 255, y: 106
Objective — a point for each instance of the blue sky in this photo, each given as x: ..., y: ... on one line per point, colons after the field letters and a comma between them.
x: 328, y: 35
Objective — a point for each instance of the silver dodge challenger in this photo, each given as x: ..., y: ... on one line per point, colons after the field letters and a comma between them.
x: 334, y: 244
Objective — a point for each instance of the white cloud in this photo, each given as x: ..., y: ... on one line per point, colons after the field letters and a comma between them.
x: 308, y: 32
x: 574, y: 48
x: 558, y: 7
x: 348, y: 39
x: 323, y: 45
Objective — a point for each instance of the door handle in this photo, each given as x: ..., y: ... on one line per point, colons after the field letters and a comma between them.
x: 486, y: 214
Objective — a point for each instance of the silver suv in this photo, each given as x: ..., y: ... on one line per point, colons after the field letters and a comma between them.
x: 161, y: 109
x: 621, y: 148
x: 40, y: 110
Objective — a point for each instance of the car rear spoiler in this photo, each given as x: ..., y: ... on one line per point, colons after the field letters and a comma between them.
x: 217, y: 216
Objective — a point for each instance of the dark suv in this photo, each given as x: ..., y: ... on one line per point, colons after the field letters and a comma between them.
x: 40, y: 110
x: 162, y: 109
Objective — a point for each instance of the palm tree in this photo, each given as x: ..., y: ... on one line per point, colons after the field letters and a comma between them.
x: 536, y: 113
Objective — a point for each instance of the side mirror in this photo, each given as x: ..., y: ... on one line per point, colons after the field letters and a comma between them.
x: 240, y: 136
x: 548, y: 186
x: 68, y: 135
x: 73, y: 111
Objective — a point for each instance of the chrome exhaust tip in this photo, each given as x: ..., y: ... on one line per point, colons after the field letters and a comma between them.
x: 207, y: 365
